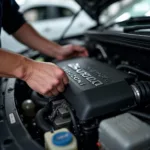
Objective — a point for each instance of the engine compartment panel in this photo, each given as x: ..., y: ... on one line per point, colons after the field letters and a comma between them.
x: 110, y: 82
x: 95, y: 88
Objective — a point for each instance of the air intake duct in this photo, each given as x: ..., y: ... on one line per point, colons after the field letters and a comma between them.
x: 142, y: 92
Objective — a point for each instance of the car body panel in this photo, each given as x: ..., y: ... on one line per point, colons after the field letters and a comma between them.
x: 51, y: 29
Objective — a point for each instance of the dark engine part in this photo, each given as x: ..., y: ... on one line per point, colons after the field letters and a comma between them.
x: 96, y: 89
x: 39, y: 100
x: 40, y: 120
x: 142, y: 92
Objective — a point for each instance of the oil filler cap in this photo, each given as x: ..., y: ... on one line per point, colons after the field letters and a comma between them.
x: 62, y: 139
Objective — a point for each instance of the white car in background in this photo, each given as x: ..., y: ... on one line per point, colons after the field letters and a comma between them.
x: 50, y: 18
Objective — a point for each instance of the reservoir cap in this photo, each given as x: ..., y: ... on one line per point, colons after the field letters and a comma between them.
x: 62, y: 138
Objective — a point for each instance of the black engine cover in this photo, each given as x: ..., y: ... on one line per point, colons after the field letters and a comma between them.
x: 96, y: 88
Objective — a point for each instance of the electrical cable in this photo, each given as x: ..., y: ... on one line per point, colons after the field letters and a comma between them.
x: 66, y: 106
x: 72, y: 118
x: 54, y: 113
x: 139, y: 114
x: 139, y: 71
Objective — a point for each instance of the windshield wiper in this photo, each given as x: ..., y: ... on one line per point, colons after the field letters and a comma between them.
x: 133, y: 21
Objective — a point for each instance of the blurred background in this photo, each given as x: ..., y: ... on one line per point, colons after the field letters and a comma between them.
x: 51, y: 17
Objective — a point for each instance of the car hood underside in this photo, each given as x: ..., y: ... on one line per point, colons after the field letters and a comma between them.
x: 95, y: 7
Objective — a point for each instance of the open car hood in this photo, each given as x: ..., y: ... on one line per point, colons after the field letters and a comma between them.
x: 95, y: 7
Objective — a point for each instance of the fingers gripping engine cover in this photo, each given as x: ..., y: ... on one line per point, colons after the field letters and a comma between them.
x: 95, y: 88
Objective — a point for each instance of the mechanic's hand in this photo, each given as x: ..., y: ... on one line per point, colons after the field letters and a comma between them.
x: 46, y: 78
x: 70, y: 51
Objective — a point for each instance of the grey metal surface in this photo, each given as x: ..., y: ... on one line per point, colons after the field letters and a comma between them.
x: 124, y: 132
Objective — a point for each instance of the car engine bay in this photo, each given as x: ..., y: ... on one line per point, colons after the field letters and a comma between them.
x: 105, y: 106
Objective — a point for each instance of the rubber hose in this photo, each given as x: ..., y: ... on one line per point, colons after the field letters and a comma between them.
x: 40, y: 121
x: 39, y: 100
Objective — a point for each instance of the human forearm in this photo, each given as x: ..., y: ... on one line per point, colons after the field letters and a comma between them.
x: 12, y: 65
x: 28, y: 36
x: 44, y: 78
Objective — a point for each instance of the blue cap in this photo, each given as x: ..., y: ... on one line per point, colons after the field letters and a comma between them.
x: 62, y: 138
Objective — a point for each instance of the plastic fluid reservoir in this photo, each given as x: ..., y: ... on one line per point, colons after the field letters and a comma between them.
x: 60, y: 140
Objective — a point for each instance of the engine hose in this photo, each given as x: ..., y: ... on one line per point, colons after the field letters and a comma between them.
x: 138, y: 71
x: 141, y: 91
x: 40, y: 121
x: 39, y: 100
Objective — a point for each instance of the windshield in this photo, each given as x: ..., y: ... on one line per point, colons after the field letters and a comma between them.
x: 121, y: 11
